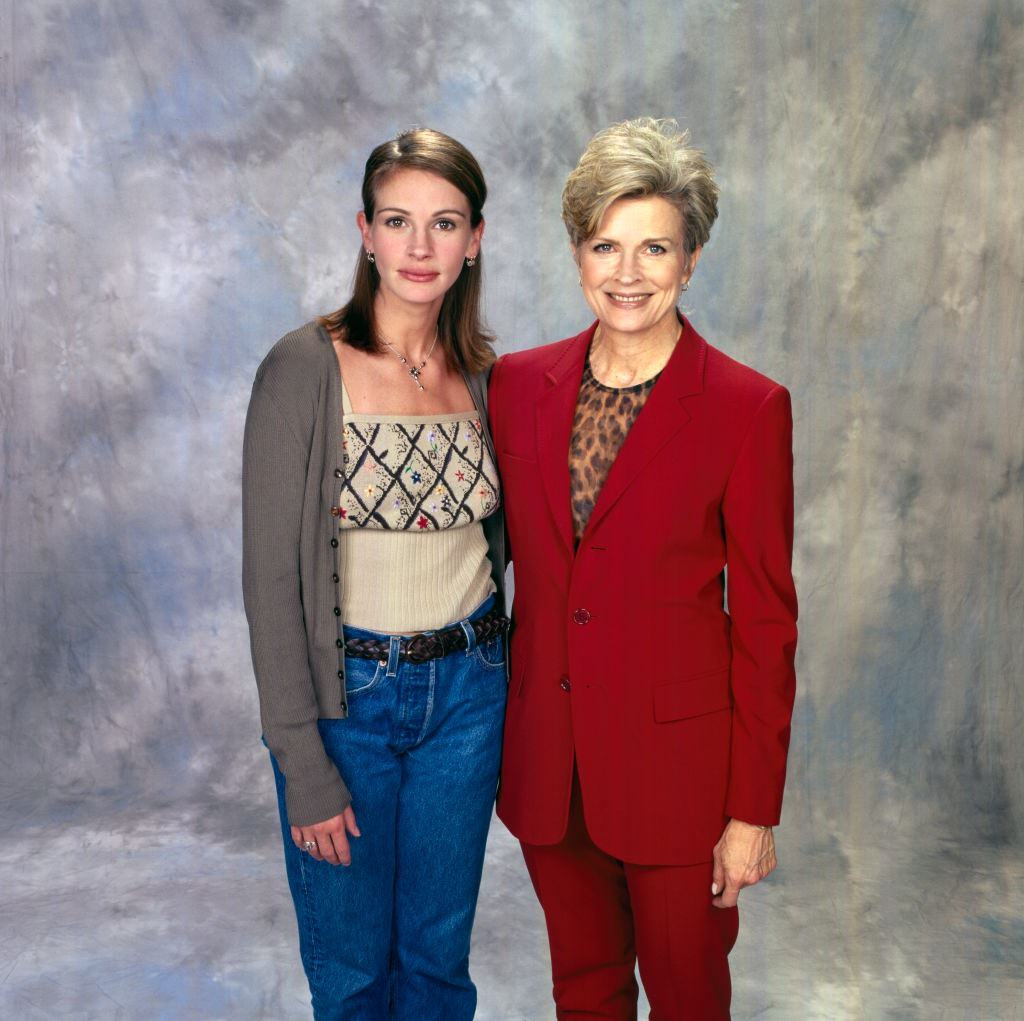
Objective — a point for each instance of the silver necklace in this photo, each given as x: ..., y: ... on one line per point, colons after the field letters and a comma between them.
x: 413, y: 370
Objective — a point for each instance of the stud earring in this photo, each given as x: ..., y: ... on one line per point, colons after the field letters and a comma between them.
x: 685, y: 287
x: 471, y: 261
x: 370, y: 257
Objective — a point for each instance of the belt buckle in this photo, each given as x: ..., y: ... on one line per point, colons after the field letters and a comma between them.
x: 422, y: 647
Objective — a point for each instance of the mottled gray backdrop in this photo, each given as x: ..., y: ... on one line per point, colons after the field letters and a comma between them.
x: 179, y: 183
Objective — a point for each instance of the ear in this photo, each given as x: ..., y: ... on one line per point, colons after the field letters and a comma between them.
x: 478, y: 235
x: 692, y: 263
x: 576, y: 251
x: 364, y: 229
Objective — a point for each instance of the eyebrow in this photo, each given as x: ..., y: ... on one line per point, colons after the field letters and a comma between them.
x: 405, y: 212
x: 601, y: 239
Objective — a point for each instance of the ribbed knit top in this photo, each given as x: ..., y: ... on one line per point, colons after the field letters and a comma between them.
x: 415, y: 490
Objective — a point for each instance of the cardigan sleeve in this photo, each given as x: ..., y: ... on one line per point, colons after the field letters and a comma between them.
x: 274, y: 465
x: 758, y: 517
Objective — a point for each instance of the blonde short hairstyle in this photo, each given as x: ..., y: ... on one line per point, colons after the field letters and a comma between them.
x: 635, y: 159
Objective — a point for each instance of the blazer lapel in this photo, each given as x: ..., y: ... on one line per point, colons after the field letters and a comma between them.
x: 661, y: 418
x: 555, y: 412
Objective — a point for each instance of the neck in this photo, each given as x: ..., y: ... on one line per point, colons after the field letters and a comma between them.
x: 621, y: 359
x: 409, y: 328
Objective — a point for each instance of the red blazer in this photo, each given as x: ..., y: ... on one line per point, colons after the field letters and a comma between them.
x: 623, y: 653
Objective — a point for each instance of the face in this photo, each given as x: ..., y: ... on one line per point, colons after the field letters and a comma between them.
x: 633, y: 268
x: 420, y: 236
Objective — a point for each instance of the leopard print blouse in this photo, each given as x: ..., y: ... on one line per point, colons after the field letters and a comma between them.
x: 604, y: 416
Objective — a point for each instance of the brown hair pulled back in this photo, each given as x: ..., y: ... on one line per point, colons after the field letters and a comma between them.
x: 460, y: 326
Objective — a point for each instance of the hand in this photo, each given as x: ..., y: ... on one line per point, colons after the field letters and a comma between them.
x: 330, y: 837
x: 743, y: 856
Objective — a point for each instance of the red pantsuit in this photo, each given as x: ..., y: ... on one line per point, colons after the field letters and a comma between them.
x: 627, y: 670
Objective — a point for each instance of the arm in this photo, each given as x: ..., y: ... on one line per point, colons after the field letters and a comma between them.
x: 758, y: 517
x: 273, y: 479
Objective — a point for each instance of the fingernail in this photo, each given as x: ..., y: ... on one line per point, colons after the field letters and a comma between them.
x: 714, y: 889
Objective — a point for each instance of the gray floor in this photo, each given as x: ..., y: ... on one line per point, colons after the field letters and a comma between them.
x: 144, y: 918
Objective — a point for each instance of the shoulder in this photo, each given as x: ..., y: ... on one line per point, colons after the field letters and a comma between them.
x: 294, y: 364
x: 730, y: 380
x: 533, y: 364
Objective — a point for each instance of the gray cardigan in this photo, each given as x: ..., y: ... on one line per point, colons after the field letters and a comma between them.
x: 291, y: 478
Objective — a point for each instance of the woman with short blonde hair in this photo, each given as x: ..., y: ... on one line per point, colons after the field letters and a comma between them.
x: 647, y: 477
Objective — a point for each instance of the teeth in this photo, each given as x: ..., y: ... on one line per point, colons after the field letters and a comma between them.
x: 629, y: 299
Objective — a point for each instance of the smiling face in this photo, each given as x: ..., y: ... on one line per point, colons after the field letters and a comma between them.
x: 633, y: 267
x: 420, y: 236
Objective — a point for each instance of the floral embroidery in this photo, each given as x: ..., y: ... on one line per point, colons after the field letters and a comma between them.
x: 404, y: 469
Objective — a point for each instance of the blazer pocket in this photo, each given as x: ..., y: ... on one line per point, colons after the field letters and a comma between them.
x: 517, y: 458
x: 697, y: 695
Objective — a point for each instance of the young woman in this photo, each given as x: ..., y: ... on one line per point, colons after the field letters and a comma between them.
x: 373, y: 583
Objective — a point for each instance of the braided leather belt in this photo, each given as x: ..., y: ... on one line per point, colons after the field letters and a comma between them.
x: 433, y: 645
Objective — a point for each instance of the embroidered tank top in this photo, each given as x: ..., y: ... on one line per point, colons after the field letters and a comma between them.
x: 416, y: 488
x: 604, y: 416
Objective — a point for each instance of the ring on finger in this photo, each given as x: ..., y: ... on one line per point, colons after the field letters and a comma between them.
x: 309, y: 845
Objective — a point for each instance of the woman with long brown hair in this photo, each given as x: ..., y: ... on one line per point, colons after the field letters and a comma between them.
x: 373, y: 582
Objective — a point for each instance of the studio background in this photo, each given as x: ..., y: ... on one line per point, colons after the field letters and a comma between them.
x: 179, y: 186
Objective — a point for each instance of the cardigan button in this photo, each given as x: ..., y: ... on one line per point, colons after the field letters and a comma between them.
x: 581, y: 616
x: 339, y: 643
x: 344, y: 707
x: 338, y: 473
x: 334, y: 543
x: 337, y: 611
x: 341, y: 675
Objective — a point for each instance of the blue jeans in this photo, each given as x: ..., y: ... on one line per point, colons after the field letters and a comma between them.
x: 388, y: 937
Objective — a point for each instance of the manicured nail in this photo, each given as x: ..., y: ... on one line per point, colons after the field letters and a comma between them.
x: 714, y: 889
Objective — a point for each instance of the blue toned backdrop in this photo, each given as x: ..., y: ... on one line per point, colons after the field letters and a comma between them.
x: 179, y: 185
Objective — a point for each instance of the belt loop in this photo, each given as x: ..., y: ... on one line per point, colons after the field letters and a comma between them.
x: 394, y: 649
x: 467, y: 630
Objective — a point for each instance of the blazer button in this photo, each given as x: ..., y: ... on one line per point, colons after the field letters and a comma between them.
x: 334, y: 543
x: 566, y: 686
x: 581, y: 616
x: 338, y: 473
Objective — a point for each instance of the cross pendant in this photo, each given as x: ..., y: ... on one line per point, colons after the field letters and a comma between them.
x: 415, y: 373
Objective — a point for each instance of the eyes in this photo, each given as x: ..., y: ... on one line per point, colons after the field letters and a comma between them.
x: 443, y: 225
x: 606, y: 248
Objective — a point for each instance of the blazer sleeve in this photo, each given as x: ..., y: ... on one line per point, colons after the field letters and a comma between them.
x: 758, y: 519
x: 274, y: 466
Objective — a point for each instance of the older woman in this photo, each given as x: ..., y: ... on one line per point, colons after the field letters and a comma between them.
x: 373, y: 572
x: 648, y: 494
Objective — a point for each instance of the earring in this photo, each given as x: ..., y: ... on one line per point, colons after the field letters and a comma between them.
x: 471, y: 261
x: 579, y: 280
x: 685, y: 287
x: 370, y: 257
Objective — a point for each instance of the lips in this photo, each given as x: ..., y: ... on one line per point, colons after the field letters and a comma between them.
x: 418, y: 276
x: 627, y: 300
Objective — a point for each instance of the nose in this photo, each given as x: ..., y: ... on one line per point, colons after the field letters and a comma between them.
x: 628, y: 269
x: 419, y: 243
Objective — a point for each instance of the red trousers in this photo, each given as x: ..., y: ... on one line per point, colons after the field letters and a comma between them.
x: 604, y: 915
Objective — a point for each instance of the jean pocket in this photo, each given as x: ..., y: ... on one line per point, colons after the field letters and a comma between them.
x: 491, y: 655
x: 362, y: 674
